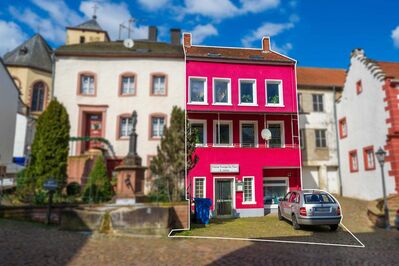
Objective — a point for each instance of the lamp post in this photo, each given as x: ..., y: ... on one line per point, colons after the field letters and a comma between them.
x: 381, y: 159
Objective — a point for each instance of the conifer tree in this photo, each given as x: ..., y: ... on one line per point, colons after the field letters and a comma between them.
x: 49, y: 152
x: 98, y: 187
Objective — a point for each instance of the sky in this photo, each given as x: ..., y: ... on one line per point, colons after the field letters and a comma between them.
x: 318, y: 33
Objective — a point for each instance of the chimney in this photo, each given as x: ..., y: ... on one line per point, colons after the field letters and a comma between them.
x: 187, y: 39
x: 175, y: 36
x: 266, y: 44
x: 152, y: 33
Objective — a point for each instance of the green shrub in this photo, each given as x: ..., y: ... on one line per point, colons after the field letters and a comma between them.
x: 40, y: 197
x: 73, y: 189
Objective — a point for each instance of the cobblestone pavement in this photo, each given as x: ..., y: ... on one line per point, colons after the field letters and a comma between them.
x: 32, y: 244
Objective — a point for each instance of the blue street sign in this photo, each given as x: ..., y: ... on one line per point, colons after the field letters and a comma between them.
x: 50, y: 185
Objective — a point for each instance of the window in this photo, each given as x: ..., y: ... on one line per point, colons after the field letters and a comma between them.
x: 300, y: 102
x: 275, y: 188
x: 277, y: 130
x: 302, y: 138
x: 199, y: 187
x: 369, y: 159
x: 318, y: 105
x: 197, y: 91
x: 38, y: 94
x: 125, y: 126
x: 359, y: 87
x: 343, y: 128
x: 320, y: 136
x: 249, y: 134
x: 82, y: 39
x: 247, y: 92
x: 274, y: 93
x: 221, y: 91
x: 353, y: 162
x: 249, y: 187
x: 223, y: 133
x: 200, y: 129
x: 87, y: 84
x: 157, y: 126
x: 158, y: 85
x: 128, y: 85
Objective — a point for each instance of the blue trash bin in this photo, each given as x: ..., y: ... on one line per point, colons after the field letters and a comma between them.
x: 202, y: 209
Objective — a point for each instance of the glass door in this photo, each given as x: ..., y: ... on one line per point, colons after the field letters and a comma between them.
x: 223, y: 197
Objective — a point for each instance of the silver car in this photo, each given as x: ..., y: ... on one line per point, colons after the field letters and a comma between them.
x: 310, y: 207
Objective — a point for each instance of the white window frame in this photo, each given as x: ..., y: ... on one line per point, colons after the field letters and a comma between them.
x: 281, y: 123
x: 223, y: 122
x: 275, y: 206
x: 325, y: 137
x: 322, y: 103
x: 228, y: 91
x: 158, y: 124
x: 205, y: 102
x: 132, y: 84
x: 204, y: 123
x: 154, y: 84
x: 252, y: 201
x: 91, y: 89
x: 233, y: 190
x: 280, y: 92
x: 127, y: 125
x: 204, y: 189
x: 255, y: 123
x: 254, y: 93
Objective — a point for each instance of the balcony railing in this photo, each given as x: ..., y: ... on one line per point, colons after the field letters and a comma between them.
x: 249, y: 146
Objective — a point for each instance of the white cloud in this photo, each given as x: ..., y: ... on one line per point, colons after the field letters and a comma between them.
x: 267, y: 29
x: 395, y: 36
x: 58, y: 11
x: 12, y: 33
x: 111, y: 15
x: 153, y: 4
x: 201, y: 32
x: 220, y: 9
x: 284, y: 49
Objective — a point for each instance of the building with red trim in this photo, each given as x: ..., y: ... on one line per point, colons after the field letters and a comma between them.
x: 368, y: 118
x: 232, y: 95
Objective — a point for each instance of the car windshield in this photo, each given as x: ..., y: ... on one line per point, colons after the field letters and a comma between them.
x: 318, y: 198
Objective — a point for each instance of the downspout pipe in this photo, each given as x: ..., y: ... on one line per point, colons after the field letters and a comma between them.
x: 337, y: 138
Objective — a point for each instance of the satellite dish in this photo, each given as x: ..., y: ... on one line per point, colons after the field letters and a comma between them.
x: 266, y: 134
x: 128, y: 43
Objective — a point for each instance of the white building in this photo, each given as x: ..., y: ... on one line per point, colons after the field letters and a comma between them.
x: 368, y: 118
x: 9, y: 100
x: 317, y: 91
x: 101, y: 83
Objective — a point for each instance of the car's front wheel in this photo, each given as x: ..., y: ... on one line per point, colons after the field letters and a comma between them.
x: 280, y: 217
x: 295, y: 223
x: 333, y: 227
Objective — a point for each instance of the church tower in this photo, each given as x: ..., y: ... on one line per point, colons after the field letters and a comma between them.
x: 89, y: 31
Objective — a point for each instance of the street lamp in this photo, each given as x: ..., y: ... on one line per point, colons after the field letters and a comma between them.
x: 381, y: 159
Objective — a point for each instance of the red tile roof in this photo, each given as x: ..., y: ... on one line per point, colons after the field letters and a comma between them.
x: 320, y: 77
x: 236, y: 53
x: 391, y: 69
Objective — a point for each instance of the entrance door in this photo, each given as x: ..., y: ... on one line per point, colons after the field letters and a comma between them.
x: 223, y: 197
x: 93, y: 129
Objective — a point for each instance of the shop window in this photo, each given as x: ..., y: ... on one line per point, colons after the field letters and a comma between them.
x: 369, y: 159
x: 359, y: 87
x: 274, y: 93
x: 200, y: 130
x: 277, y: 130
x: 199, y: 187
x: 247, y: 92
x: 274, y: 188
x: 197, y: 90
x: 221, y: 91
x: 320, y: 137
x: 223, y: 133
x: 343, y: 128
x: 318, y: 104
x: 158, y: 85
x: 249, y: 189
x: 249, y: 134
x: 353, y: 161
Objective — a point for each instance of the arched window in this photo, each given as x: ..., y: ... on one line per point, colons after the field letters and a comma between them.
x: 38, y: 93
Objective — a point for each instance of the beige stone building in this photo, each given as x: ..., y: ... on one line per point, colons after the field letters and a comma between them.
x: 89, y: 31
x: 318, y: 89
x: 30, y: 65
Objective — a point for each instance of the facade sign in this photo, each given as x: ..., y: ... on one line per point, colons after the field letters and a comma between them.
x: 225, y: 168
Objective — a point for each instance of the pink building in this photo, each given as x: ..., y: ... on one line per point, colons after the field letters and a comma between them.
x: 232, y: 95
